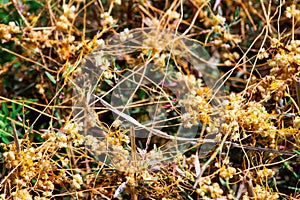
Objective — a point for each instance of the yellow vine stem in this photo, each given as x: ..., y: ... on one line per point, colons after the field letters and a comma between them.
x: 212, y: 157
x: 27, y: 106
x: 292, y: 99
x: 27, y: 59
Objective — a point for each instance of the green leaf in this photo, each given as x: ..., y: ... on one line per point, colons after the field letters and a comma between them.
x: 4, y: 136
x: 236, y: 13
x: 5, y: 140
x: 142, y: 94
x: 50, y: 77
x: 5, y: 109
x: 33, y: 181
x: 223, y: 182
x: 19, y: 108
x: 31, y: 100
x: 288, y: 166
x: 17, y: 64
x: 2, y: 125
x: 4, y: 2
x: 149, y: 53
x: 14, y: 112
x: 297, y: 152
x: 70, y: 68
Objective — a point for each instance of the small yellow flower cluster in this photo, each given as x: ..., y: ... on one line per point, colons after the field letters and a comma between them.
x: 249, y: 116
x: 45, y: 184
x: 227, y: 172
x: 71, y: 134
x: 22, y: 194
x: 154, y: 22
x: 108, y: 20
x: 97, y: 147
x: 158, y: 42
x: 100, y: 43
x: 77, y: 181
x: 118, y: 2
x: 10, y: 159
x: 41, y: 87
x: 117, y: 138
x: 124, y: 35
x: 218, y: 20
x: 262, y: 54
x: 297, y: 122
x: 264, y: 174
x: 196, y: 102
x: 173, y: 14
x: 217, y: 25
x: 261, y: 194
x: 291, y: 11
x: 230, y: 57
x: 285, y: 60
x: 101, y: 61
x: 31, y: 164
x: 294, y: 46
x: 267, y: 88
x: 49, y: 135
x: 226, y: 38
x: 151, y: 42
x: 120, y: 158
x: 38, y: 39
x: 207, y: 186
x: 160, y: 59
x: 189, y: 119
x: 66, y: 19
x: 117, y: 123
x: 35, y: 163
x: 6, y: 31
x: 67, y: 48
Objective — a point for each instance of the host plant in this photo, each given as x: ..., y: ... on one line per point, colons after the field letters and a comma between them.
x: 94, y: 106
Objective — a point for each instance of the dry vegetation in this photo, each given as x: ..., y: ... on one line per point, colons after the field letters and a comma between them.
x: 229, y: 132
